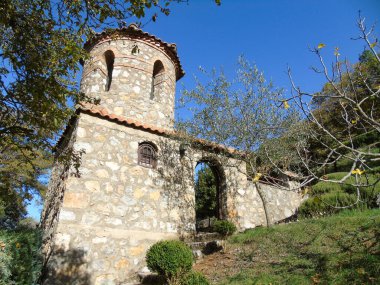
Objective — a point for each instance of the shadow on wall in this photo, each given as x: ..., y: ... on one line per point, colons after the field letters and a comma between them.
x: 176, y: 175
x: 66, y: 267
x: 176, y: 169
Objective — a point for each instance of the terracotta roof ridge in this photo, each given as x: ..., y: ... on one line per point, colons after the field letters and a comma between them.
x: 103, y: 112
x: 98, y: 110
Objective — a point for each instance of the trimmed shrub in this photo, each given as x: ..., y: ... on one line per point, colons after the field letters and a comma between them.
x: 224, y: 227
x: 169, y: 258
x: 194, y: 278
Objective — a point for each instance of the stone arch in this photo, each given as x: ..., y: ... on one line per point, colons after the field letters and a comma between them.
x: 158, y: 79
x: 109, y: 58
x: 221, y: 185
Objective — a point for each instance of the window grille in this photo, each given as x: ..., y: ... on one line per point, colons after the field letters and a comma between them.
x: 147, y: 155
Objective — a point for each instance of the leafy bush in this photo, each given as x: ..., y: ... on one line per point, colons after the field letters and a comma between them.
x: 323, y: 205
x: 5, y: 264
x: 20, y: 260
x: 169, y: 258
x: 194, y: 278
x: 325, y: 187
x: 324, y: 195
x: 366, y: 139
x: 224, y: 227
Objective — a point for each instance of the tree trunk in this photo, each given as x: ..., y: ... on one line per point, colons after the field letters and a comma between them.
x: 263, y: 198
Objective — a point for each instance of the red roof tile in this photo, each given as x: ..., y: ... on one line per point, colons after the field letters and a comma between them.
x: 96, y: 110
x: 104, y: 113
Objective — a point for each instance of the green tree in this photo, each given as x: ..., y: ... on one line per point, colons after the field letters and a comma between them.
x: 17, y: 189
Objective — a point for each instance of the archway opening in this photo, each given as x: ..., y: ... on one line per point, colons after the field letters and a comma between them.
x: 157, y: 78
x: 209, y: 195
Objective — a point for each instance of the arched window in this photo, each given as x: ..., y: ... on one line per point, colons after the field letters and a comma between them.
x: 147, y: 155
x: 109, y: 57
x: 158, y: 78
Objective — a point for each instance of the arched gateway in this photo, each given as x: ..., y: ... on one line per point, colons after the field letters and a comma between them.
x: 210, y: 193
x: 134, y: 182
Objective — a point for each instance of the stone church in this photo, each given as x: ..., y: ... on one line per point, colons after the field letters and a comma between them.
x: 132, y: 182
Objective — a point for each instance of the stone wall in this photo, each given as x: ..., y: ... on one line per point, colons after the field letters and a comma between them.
x: 133, y: 91
x: 57, y: 187
x: 282, y: 203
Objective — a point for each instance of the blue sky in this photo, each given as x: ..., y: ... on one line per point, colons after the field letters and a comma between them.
x: 273, y: 34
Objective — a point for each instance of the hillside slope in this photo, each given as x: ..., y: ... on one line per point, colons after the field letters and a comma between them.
x: 341, y: 249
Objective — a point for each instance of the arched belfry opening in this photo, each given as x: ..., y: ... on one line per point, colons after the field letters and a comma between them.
x: 210, y: 194
x: 109, y: 58
x: 157, y: 78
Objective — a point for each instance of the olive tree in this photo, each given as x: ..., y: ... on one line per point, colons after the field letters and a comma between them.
x: 244, y: 114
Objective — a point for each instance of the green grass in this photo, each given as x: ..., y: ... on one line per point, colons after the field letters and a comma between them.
x: 341, y: 249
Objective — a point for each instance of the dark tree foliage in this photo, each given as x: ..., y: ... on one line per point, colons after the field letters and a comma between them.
x: 205, y: 193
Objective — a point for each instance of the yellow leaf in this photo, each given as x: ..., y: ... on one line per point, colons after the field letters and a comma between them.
x: 257, y: 177
x: 305, y: 191
x: 286, y: 105
x: 358, y: 171
x: 321, y: 45
x: 353, y: 122
x: 373, y: 44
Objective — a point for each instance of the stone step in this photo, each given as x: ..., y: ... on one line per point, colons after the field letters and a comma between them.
x: 150, y: 278
x: 203, y: 236
x: 203, y: 248
x: 207, y: 236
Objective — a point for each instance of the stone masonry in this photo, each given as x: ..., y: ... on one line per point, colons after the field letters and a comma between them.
x: 103, y: 213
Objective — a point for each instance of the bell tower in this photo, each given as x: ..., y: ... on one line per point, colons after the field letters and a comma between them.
x: 133, y: 74
x: 103, y: 211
